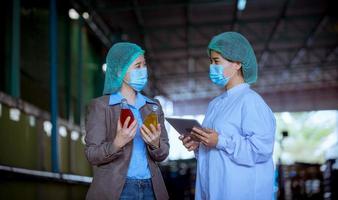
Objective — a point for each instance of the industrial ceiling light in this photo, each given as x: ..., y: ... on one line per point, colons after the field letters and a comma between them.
x: 47, y: 127
x: 74, y: 135
x: 32, y: 121
x: 241, y: 5
x: 73, y: 14
x: 85, y: 15
x: 104, y: 67
x: 14, y: 114
x: 63, y: 131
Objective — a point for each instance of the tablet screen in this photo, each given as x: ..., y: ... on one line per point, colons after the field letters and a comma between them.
x: 183, y: 126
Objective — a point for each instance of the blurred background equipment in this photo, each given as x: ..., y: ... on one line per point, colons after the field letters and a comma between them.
x: 52, y: 63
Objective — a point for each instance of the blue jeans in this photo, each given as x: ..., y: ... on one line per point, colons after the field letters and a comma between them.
x: 137, y: 189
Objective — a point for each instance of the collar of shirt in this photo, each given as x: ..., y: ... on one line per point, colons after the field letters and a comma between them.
x: 140, y: 101
x: 235, y: 90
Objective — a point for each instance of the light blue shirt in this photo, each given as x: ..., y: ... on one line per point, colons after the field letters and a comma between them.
x: 138, y: 166
x: 240, y: 167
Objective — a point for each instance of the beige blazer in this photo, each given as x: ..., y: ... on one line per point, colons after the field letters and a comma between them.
x: 110, y: 164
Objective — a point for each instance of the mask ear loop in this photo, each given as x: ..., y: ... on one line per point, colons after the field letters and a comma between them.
x: 123, y: 80
x: 126, y: 82
x: 229, y: 77
x: 232, y: 73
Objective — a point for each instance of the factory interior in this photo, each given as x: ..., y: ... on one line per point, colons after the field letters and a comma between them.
x: 53, y: 63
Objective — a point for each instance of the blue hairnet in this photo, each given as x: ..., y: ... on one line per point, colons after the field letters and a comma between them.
x: 235, y: 47
x: 120, y: 56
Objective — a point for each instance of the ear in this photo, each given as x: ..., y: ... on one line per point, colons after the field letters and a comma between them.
x: 237, y: 65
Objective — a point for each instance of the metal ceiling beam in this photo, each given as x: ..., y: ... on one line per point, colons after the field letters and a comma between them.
x: 102, y: 37
x: 158, y: 5
x: 309, y: 40
x: 166, y: 46
x: 329, y: 53
x: 175, y: 27
x: 202, y: 50
x: 281, y: 17
x: 146, y: 43
x: 95, y: 23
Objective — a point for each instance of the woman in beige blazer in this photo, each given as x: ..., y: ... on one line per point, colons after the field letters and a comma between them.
x: 124, y: 156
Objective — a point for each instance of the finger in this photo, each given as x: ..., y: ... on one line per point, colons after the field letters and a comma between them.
x: 119, y: 125
x: 153, y: 129
x: 200, y: 132
x: 208, y: 130
x: 194, y: 138
x: 200, y: 137
x: 146, y: 129
x: 192, y: 148
x: 133, y: 125
x: 193, y: 134
x: 155, y: 132
x: 158, y: 127
x: 125, y: 125
x: 205, y: 136
x: 182, y: 137
x: 189, y: 144
x: 133, y: 131
x: 145, y: 136
x: 186, y: 139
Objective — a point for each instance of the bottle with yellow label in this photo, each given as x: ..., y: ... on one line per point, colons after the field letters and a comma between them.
x: 151, y: 118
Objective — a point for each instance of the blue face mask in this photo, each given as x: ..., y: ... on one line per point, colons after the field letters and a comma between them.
x: 216, y: 75
x: 138, y: 79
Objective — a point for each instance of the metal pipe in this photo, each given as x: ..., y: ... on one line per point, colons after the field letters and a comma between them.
x: 79, y: 72
x: 68, y: 71
x: 70, y: 178
x: 14, y: 86
x: 53, y: 55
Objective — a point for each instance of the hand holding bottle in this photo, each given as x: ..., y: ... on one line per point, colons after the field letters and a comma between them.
x: 152, y: 136
x: 124, y: 132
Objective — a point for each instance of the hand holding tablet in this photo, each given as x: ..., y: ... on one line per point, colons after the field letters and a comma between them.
x: 184, y: 126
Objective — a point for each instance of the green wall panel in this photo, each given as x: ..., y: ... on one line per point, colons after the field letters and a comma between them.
x: 19, y: 141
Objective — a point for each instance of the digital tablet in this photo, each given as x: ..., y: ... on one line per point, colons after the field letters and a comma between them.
x: 183, y: 126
